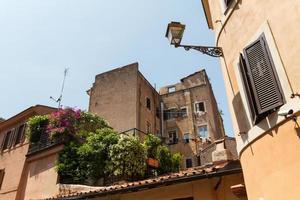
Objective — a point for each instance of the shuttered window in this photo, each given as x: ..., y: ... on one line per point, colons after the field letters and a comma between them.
x: 260, y: 80
x: 20, y: 134
x: 2, y: 172
x: 7, y: 140
x: 227, y: 2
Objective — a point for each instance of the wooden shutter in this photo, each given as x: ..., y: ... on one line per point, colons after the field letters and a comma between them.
x: 227, y: 2
x: 2, y: 172
x: 12, y: 138
x: 263, y: 80
x: 3, y: 141
x: 249, y: 93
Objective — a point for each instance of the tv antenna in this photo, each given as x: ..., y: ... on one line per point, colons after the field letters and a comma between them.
x: 62, y: 89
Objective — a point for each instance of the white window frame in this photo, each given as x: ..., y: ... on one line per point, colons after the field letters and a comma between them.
x: 204, y: 104
x: 170, y: 88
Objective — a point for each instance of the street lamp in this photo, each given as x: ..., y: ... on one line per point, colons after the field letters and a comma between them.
x: 174, y: 34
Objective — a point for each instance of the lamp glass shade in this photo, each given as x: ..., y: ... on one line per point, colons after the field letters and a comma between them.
x: 175, y: 32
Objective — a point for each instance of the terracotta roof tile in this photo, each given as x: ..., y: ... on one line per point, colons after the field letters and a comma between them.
x: 197, y: 173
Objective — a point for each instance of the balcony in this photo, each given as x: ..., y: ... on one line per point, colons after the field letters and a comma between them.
x: 45, y: 144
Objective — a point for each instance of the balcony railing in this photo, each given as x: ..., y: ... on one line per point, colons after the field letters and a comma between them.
x: 47, y: 143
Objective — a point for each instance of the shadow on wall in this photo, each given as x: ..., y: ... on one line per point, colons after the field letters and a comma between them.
x: 241, y: 116
x: 39, y: 166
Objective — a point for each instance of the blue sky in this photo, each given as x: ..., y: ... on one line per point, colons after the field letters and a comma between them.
x: 38, y: 39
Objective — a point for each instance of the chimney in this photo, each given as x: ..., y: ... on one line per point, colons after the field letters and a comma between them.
x: 221, y: 154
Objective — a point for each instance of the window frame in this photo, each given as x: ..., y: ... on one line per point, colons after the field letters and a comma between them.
x: 186, y: 140
x: 198, y: 133
x: 170, y: 142
x: 148, y: 103
x: 20, y: 135
x: 171, y: 89
x: 186, y: 163
x: 256, y: 113
x: 186, y: 113
x: 173, y: 116
x: 195, y: 107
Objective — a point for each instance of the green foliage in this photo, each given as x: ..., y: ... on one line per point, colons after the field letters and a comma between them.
x: 168, y: 162
x: 69, y: 165
x: 36, y: 126
x: 128, y: 158
x: 88, y: 123
x: 94, y: 152
x: 151, y: 144
x: 2, y: 119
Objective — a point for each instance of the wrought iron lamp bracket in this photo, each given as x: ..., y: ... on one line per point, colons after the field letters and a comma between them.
x: 211, y: 51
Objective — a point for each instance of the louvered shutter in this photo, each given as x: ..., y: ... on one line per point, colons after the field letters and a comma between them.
x: 227, y: 2
x: 2, y: 172
x: 248, y: 91
x: 12, y: 138
x: 263, y: 80
x: 3, y: 141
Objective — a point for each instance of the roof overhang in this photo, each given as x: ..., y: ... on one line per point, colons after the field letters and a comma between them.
x: 207, y: 13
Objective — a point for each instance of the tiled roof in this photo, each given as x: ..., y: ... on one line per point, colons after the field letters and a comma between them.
x: 192, y: 174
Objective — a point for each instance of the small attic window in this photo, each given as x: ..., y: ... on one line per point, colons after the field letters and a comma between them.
x: 171, y: 89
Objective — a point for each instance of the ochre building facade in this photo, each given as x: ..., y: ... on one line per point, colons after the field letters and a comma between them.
x: 185, y: 115
x: 260, y: 42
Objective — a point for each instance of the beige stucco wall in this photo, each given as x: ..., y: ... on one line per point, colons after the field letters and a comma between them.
x: 13, y: 163
x: 269, y: 158
x: 271, y: 164
x: 201, y: 189
x: 119, y: 96
x: 40, y: 178
x: 114, y: 95
x: 242, y: 23
x: 144, y: 115
x: 13, y: 160
x: 192, y: 89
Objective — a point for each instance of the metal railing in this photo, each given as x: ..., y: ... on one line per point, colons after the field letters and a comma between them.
x: 45, y: 144
x: 140, y: 134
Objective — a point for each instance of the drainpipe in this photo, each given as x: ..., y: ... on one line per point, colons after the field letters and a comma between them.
x: 162, y: 118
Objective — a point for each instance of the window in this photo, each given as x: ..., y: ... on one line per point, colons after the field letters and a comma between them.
x: 188, y: 163
x: 202, y: 131
x: 227, y: 2
x: 170, y: 113
x: 183, y: 112
x: 260, y: 81
x: 148, y: 128
x: 20, y: 134
x: 199, y: 107
x: 148, y: 103
x: 2, y: 172
x: 186, y: 138
x: 198, y: 161
x: 6, y: 144
x: 173, y: 137
x: 171, y: 89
